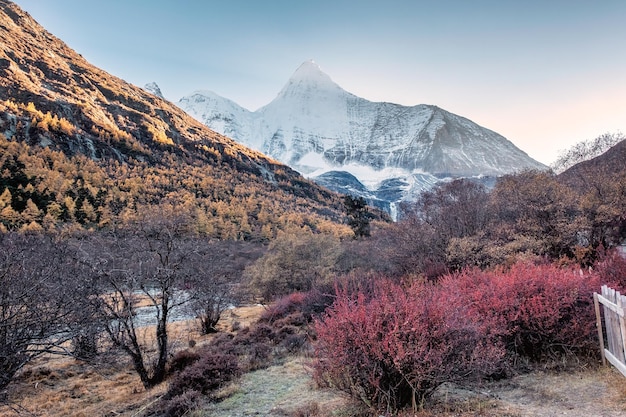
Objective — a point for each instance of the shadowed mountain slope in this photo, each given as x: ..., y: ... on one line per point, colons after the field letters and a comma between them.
x: 600, y: 184
x: 607, y: 167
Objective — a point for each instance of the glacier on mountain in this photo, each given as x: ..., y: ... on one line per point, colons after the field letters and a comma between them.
x: 334, y: 137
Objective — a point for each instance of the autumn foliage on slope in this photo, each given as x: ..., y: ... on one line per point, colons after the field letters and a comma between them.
x: 392, y: 348
x: 81, y: 147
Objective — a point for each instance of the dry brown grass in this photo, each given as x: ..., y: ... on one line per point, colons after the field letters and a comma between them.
x: 590, y: 392
x: 64, y: 387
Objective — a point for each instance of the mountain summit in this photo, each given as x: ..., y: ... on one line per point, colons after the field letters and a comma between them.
x: 318, y: 128
x: 309, y: 78
x: 154, y: 89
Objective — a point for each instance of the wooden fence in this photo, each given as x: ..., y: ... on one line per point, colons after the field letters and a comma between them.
x: 613, y: 305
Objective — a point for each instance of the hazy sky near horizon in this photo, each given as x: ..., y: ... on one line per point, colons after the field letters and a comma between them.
x: 543, y: 73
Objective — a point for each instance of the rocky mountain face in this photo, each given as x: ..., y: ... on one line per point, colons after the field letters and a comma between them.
x: 65, y: 122
x: 335, y: 137
x: 40, y: 69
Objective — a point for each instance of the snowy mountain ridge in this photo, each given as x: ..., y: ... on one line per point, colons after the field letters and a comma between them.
x: 317, y: 128
x: 154, y: 89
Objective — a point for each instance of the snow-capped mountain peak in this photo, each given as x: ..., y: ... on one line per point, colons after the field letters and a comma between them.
x: 154, y: 89
x: 309, y: 76
x: 317, y: 127
x: 308, y: 91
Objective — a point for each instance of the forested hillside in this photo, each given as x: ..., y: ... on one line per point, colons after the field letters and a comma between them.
x: 82, y: 146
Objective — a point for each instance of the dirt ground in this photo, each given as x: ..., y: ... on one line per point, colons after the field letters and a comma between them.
x: 599, y: 392
x: 64, y: 387
x: 288, y: 390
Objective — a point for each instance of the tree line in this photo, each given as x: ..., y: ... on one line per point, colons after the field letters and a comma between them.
x: 530, y: 216
x: 44, y: 189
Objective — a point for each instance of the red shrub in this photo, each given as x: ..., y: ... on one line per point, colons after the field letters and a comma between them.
x: 611, y: 268
x: 395, y: 348
x: 538, y: 311
x: 295, y: 342
x: 299, y: 306
x: 205, y: 375
x: 179, y: 405
x: 283, y: 307
x: 182, y: 359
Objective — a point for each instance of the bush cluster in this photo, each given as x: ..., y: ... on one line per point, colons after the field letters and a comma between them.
x: 206, y: 375
x: 199, y: 373
x: 298, y: 308
x: 539, y: 312
x: 611, y: 267
x: 392, y: 348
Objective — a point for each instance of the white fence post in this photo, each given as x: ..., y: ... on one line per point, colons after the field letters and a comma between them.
x: 615, y: 325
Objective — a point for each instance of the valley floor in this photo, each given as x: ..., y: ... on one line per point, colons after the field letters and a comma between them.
x: 65, y: 387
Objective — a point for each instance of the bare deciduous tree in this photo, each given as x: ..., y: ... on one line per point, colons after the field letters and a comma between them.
x: 217, y: 285
x: 148, y: 263
x: 36, y: 301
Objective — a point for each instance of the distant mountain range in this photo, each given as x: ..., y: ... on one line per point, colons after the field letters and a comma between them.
x: 383, y: 151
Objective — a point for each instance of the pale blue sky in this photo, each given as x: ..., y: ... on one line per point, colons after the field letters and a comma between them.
x: 545, y: 74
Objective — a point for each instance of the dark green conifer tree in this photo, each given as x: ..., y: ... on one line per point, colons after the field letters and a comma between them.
x: 358, y: 215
